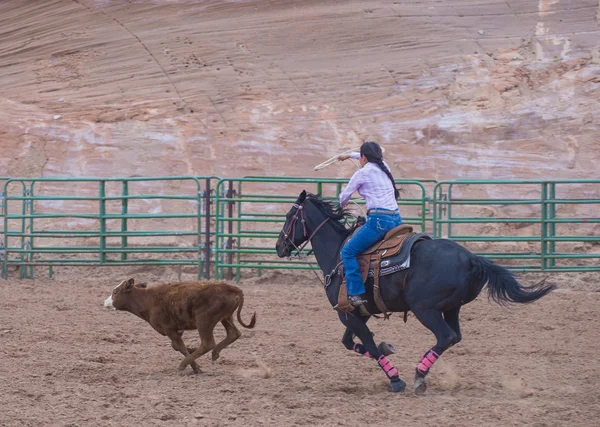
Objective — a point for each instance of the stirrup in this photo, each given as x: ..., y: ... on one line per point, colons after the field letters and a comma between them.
x: 356, y: 300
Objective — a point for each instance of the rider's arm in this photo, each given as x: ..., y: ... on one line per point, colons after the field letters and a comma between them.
x: 353, y: 155
x: 354, y: 184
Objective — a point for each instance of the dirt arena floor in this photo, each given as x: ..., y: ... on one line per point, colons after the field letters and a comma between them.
x: 65, y: 360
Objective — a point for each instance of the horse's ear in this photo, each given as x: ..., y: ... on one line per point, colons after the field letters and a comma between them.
x: 302, y: 196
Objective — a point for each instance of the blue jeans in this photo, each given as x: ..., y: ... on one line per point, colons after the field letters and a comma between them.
x: 375, y: 229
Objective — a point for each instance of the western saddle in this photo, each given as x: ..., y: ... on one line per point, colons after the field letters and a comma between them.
x: 385, y: 257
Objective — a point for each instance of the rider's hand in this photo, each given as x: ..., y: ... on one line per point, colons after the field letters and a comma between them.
x: 342, y: 157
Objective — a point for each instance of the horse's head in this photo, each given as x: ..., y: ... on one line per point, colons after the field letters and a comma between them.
x: 294, y: 232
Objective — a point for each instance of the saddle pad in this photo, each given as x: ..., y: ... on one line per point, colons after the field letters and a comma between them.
x: 394, y: 263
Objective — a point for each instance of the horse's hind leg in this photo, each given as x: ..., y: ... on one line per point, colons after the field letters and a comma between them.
x: 451, y: 318
x: 358, y: 326
x: 445, y: 336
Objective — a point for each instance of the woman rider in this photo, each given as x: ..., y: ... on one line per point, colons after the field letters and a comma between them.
x: 375, y: 183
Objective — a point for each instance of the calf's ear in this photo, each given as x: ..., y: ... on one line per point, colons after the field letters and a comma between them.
x: 129, y: 284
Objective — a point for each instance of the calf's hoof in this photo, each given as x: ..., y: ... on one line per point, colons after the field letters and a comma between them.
x: 420, y: 386
x: 215, y: 355
x: 396, y: 386
x: 196, y: 368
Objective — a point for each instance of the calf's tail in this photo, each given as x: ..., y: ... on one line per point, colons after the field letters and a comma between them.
x: 239, y: 310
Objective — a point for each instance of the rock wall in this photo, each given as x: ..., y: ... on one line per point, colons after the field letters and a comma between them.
x: 451, y: 88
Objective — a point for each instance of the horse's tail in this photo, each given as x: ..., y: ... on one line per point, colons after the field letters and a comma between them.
x: 239, y: 311
x: 503, y: 287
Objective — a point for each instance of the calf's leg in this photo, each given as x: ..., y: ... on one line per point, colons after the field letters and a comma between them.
x: 233, y: 334
x: 205, y: 327
x: 189, y: 349
x: 178, y: 344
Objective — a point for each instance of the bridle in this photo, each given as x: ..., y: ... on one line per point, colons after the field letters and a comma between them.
x: 291, y: 228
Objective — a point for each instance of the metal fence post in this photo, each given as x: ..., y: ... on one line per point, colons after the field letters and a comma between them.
x: 124, y: 211
x: 102, y: 216
x: 31, y: 230
x: 229, y: 195
x: 552, y: 225
x: 25, y: 209
x: 207, y: 209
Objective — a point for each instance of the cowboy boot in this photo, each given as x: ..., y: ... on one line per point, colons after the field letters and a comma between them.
x: 357, y: 300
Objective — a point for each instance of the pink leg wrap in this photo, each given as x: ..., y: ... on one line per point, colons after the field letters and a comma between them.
x: 427, y: 362
x: 386, y: 365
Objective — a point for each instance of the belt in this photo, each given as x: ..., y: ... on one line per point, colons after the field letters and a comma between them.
x: 380, y: 211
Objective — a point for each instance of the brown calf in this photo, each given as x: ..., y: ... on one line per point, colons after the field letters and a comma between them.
x: 173, y: 308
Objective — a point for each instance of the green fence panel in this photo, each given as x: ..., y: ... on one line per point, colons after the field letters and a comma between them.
x: 537, y: 218
x: 251, y: 211
x: 525, y: 225
x: 164, y: 221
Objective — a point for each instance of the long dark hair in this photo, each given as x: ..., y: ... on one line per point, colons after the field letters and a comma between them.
x: 332, y: 209
x: 372, y: 151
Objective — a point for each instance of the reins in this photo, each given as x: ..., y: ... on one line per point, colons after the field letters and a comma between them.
x: 292, y: 229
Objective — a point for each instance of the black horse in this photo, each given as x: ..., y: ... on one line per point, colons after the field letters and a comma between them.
x: 443, y: 276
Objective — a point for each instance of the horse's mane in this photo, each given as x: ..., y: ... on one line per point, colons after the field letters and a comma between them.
x: 331, y: 208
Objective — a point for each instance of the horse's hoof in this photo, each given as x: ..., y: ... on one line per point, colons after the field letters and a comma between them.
x: 397, y: 386
x: 386, y: 349
x: 420, y: 386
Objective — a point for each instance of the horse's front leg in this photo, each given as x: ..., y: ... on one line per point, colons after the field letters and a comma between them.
x: 348, y: 341
x: 358, y: 326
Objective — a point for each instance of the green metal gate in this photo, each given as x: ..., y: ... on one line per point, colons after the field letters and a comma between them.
x: 543, y: 226
x: 525, y: 225
x: 251, y: 211
x: 112, y: 221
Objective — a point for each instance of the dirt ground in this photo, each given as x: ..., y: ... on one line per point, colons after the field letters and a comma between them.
x: 66, y: 360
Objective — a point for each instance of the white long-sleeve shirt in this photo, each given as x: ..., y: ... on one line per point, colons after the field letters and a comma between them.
x: 373, y: 185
